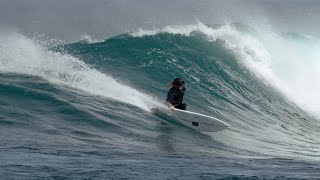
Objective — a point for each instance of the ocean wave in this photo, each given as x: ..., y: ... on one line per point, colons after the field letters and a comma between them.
x: 22, y: 55
x: 229, y: 74
x: 282, y: 60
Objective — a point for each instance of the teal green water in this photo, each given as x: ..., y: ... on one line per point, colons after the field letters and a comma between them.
x: 82, y: 110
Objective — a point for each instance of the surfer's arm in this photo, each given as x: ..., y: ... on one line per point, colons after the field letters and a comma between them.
x: 170, y: 105
x: 169, y: 97
x: 169, y: 100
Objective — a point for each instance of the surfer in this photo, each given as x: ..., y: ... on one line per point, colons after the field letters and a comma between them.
x: 175, y: 95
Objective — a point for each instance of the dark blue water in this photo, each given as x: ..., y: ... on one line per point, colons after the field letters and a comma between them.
x: 82, y: 110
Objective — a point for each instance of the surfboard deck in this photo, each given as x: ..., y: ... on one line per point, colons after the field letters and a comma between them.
x: 197, y: 121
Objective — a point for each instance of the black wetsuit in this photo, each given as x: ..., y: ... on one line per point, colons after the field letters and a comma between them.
x: 175, y: 97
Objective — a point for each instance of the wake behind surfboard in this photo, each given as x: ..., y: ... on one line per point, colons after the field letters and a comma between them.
x: 197, y: 121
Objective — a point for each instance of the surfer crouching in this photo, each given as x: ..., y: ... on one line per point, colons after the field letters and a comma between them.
x: 175, y: 94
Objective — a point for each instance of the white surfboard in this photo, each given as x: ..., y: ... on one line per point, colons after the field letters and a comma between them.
x: 197, y: 121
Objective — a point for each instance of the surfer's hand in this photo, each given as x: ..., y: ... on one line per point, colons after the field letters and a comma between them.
x: 172, y: 107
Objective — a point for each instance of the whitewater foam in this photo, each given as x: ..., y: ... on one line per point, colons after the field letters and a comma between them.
x: 19, y: 54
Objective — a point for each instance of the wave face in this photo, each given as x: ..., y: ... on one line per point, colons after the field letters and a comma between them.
x: 83, y: 109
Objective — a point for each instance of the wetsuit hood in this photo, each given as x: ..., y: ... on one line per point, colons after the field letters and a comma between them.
x: 178, y: 82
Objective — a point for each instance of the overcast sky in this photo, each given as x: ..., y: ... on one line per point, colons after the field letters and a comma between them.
x: 71, y: 19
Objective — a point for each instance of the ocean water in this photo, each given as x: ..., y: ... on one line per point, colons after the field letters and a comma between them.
x: 82, y: 110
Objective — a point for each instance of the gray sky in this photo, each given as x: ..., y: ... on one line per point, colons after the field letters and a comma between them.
x: 70, y: 19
